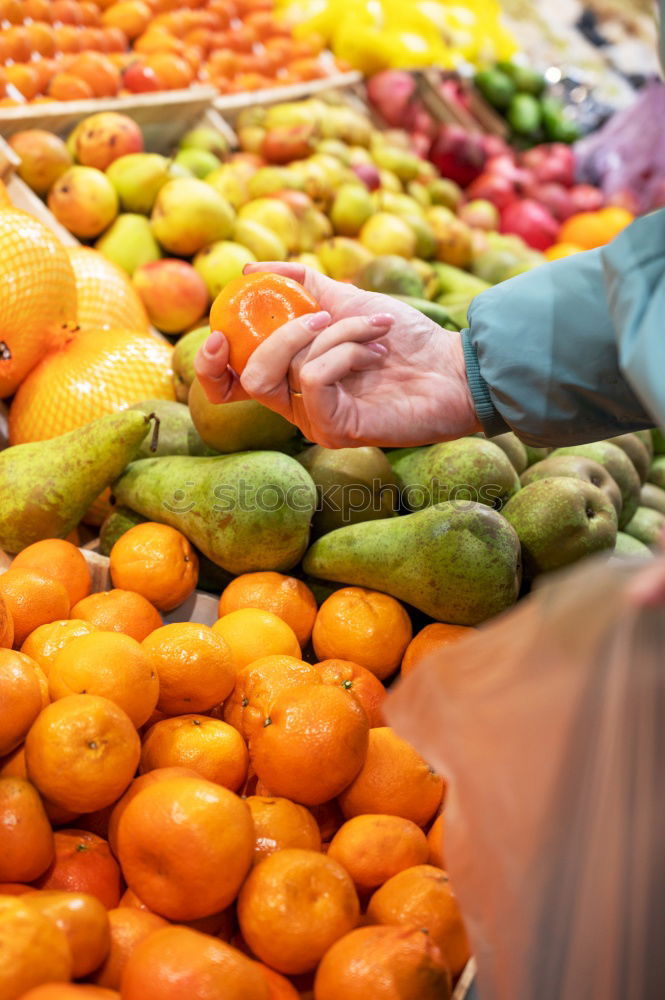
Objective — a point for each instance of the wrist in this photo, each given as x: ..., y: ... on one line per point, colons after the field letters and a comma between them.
x: 467, y: 420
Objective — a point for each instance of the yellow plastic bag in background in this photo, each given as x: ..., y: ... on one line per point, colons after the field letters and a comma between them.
x: 549, y: 727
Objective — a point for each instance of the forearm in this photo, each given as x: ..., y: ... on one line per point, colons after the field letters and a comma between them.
x: 545, y: 346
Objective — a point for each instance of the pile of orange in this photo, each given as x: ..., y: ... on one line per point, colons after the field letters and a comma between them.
x: 196, y: 808
x: 67, y: 50
x: 588, y: 230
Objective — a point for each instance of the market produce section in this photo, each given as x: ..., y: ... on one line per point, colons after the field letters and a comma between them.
x: 201, y: 611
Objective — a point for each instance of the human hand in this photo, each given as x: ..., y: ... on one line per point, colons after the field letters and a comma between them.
x: 371, y: 370
x: 648, y: 588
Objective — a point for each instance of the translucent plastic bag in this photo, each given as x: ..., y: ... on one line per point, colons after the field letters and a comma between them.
x: 628, y: 153
x: 549, y: 727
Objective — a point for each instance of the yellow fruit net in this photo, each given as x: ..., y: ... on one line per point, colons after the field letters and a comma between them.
x: 106, y: 296
x: 37, y: 295
x: 372, y: 35
x: 94, y: 373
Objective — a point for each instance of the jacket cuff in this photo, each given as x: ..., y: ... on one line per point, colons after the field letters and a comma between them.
x: 492, y: 421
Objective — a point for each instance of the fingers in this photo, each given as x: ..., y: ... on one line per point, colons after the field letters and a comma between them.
x: 265, y: 375
x: 647, y: 590
x: 313, y: 281
x: 211, y: 366
x: 357, y: 329
x: 333, y: 366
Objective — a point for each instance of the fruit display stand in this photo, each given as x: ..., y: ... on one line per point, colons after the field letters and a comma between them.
x: 163, y: 119
x: 480, y: 117
x: 231, y: 104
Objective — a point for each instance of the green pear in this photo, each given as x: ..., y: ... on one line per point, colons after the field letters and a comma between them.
x: 275, y: 215
x: 220, y: 263
x: 384, y: 233
x: 138, y: 178
x: 658, y: 441
x: 243, y: 426
x: 199, y: 162
x: 188, y: 215
x: 454, y: 281
x: 636, y: 451
x: 334, y: 147
x: 129, y: 242
x: 353, y: 485
x: 399, y: 161
x: 342, y: 258
x: 426, y: 241
x: 351, y: 209
x: 47, y: 486
x: 269, y: 180
x: 176, y: 434
x: 182, y: 360
x: 392, y: 276
x: 263, y: 243
x: 456, y: 562
x: 535, y: 454
x: 657, y: 471
x: 245, y: 512
x: 118, y: 522
x: 653, y: 496
x: 228, y: 182
x: 647, y: 525
x: 559, y: 521
x: 397, y: 204
x: 469, y: 469
x: 628, y: 547
x: 514, y: 449
x: 619, y: 467
x: 206, y: 138
x: 647, y: 440
x: 445, y: 192
x: 576, y: 467
x: 420, y: 193
x: 494, y: 265
x: 314, y: 227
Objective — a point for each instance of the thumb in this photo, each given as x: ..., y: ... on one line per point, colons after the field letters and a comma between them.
x: 211, y: 365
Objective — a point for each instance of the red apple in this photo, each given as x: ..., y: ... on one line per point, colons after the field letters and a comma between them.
x: 551, y: 162
x: 140, y: 79
x: 528, y: 219
x: 368, y: 174
x: 299, y: 202
x: 586, y: 198
x: 174, y: 294
x: 391, y: 92
x: 458, y: 154
x: 492, y: 187
x: 555, y: 198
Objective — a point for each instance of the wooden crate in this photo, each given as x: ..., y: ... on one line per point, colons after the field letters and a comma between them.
x: 163, y: 119
x: 230, y: 104
x: 480, y: 118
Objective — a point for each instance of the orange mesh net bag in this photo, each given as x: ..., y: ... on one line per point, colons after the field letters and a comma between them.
x: 37, y: 295
x: 549, y: 726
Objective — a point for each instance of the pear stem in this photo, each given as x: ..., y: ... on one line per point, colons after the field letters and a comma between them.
x: 155, y: 431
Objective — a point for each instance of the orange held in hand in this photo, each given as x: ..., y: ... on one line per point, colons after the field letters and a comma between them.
x: 252, y: 307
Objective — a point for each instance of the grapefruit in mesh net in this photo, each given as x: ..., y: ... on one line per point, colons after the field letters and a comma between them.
x: 106, y: 296
x: 37, y: 295
x: 93, y: 373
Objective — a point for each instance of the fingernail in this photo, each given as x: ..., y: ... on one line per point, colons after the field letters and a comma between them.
x: 213, y: 343
x: 381, y: 319
x: 378, y: 348
x: 317, y: 321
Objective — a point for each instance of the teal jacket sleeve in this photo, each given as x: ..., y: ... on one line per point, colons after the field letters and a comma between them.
x: 574, y: 351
